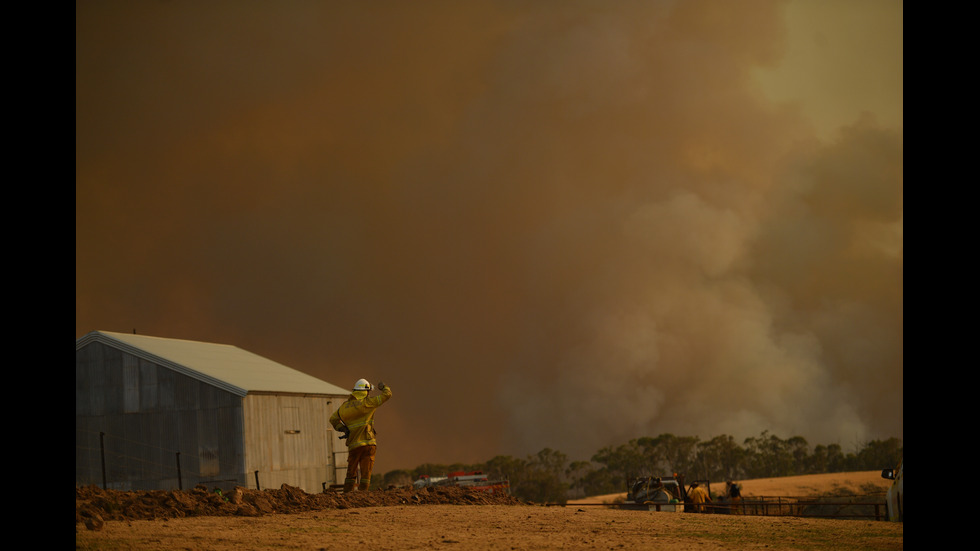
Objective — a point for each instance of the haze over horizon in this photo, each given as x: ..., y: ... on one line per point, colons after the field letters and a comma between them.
x: 558, y: 225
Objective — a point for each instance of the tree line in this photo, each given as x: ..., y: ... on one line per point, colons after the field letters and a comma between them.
x: 549, y: 477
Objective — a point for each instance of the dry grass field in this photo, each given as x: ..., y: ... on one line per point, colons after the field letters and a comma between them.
x: 454, y: 521
x: 810, y: 485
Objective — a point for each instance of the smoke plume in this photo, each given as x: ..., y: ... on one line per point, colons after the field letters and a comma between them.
x: 542, y: 224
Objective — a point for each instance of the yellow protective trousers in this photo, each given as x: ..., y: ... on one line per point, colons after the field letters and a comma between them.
x: 360, y: 460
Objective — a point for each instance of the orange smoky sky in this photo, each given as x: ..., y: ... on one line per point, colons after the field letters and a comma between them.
x: 543, y: 224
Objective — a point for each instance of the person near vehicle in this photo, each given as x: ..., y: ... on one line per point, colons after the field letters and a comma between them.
x: 699, y: 496
x: 355, y: 419
x: 734, y: 497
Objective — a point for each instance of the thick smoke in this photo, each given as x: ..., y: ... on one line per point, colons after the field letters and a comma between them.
x: 543, y: 226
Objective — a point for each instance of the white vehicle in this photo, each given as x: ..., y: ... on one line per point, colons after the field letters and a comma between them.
x: 425, y: 481
x: 895, y: 496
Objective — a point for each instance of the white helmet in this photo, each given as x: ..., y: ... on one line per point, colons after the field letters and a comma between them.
x: 362, y: 384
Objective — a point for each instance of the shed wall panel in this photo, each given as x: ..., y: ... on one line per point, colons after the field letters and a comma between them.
x: 164, y: 429
x: 112, y: 379
x: 130, y: 384
x: 166, y: 389
x: 287, y: 439
x: 149, y: 391
x: 152, y: 418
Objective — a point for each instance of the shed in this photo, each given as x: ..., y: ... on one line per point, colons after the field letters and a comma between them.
x: 159, y: 413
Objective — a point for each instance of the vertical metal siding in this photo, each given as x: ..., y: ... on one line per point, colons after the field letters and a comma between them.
x: 187, y: 395
x: 207, y: 441
x: 166, y: 389
x: 150, y: 413
x: 130, y: 384
x: 148, y: 386
x: 287, y: 441
x: 230, y: 439
x: 112, y: 379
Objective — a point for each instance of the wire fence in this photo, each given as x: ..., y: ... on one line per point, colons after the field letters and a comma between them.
x: 113, y: 460
x: 871, y: 506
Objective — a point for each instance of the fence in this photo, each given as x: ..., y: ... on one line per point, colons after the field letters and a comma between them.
x: 121, y: 462
x: 870, y: 506
x: 840, y: 507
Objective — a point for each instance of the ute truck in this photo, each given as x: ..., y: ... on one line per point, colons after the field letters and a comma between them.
x: 660, y: 493
x: 663, y: 493
x: 895, y: 495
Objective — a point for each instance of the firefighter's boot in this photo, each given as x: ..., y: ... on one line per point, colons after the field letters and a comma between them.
x: 349, y: 485
x: 365, y: 483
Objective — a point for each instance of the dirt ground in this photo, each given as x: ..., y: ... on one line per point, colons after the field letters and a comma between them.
x: 453, y: 518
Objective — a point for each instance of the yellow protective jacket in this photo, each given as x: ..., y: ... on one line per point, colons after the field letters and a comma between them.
x: 358, y: 417
x: 698, y: 495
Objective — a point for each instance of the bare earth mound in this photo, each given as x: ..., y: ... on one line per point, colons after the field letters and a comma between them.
x: 94, y: 505
x: 453, y: 518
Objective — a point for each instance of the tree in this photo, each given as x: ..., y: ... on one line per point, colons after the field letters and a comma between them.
x: 547, y: 476
x: 671, y: 454
x: 624, y: 462
x: 767, y: 455
x: 819, y: 459
x: 549, y: 460
x: 506, y: 467
x: 798, y: 448
x: 836, y: 461
x: 588, y: 480
x: 879, y: 454
x: 539, y: 478
x: 721, y: 458
x: 544, y: 480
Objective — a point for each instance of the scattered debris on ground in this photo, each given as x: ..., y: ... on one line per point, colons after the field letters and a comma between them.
x: 94, y: 506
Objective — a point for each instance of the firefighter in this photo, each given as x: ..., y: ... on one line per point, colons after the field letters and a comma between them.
x: 698, y: 497
x: 355, y: 419
x: 735, y: 496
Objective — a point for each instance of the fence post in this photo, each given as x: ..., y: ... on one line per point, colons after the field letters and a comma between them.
x: 180, y: 483
x: 102, y: 451
x: 257, y: 480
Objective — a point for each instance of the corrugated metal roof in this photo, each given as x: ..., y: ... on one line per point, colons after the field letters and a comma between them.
x: 222, y: 365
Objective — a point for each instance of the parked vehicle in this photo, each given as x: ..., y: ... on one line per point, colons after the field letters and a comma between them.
x: 658, y: 493
x: 476, y: 480
x: 665, y: 493
x: 895, y: 495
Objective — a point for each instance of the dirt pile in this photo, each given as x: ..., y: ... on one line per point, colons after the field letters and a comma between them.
x: 93, y: 505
